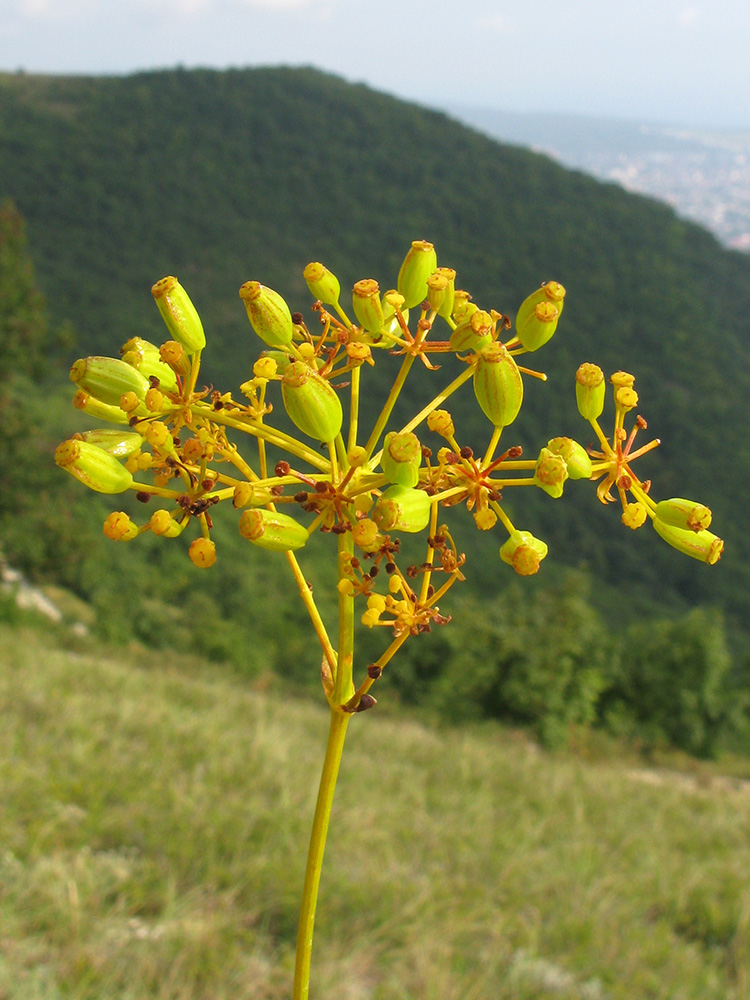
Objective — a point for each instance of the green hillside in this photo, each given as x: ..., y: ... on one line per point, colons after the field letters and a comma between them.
x: 154, y: 824
x: 223, y: 176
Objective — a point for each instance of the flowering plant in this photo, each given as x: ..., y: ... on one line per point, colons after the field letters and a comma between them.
x: 177, y: 443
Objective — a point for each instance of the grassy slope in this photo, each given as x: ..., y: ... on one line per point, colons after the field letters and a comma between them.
x: 218, y: 177
x: 153, y: 832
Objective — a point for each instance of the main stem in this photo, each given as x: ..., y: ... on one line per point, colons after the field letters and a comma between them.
x: 342, y: 691
x: 334, y: 748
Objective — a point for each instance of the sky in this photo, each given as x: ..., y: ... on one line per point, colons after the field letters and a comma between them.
x: 668, y: 61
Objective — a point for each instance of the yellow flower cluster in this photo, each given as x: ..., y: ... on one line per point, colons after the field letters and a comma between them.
x: 177, y: 443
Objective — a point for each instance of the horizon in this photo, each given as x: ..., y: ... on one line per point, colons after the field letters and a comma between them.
x: 671, y: 63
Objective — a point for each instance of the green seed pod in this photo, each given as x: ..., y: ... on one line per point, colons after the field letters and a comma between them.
x: 402, y: 457
x: 311, y: 402
x: 367, y: 306
x: 538, y: 325
x: 179, y: 313
x: 590, y: 389
x: 95, y: 467
x: 550, y: 473
x: 120, y: 444
x: 102, y: 411
x: 268, y: 313
x: 446, y: 305
x: 702, y: 545
x: 685, y: 514
x: 523, y: 552
x: 402, y: 509
x: 322, y: 283
x: 498, y: 385
x: 576, y: 457
x: 108, y: 379
x: 418, y: 265
x: 473, y: 333
x: 551, y: 292
x: 271, y: 530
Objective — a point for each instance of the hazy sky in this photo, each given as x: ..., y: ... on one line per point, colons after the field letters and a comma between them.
x: 682, y: 61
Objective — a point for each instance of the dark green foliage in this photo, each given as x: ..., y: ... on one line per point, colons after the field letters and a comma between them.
x: 539, y: 658
x: 221, y: 177
x: 673, y: 682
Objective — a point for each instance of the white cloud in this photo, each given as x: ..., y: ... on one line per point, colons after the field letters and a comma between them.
x: 689, y: 16
x: 498, y: 23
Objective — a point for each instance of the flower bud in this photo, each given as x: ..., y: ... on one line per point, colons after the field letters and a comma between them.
x: 634, y: 515
x: 202, y: 552
x: 154, y: 401
x: 590, y: 391
x: 366, y: 535
x: 120, y: 444
x: 251, y: 495
x: 267, y: 365
x: 703, y: 545
x: 179, y: 313
x: 473, y: 333
x: 462, y: 305
x: 268, y: 313
x: 311, y: 402
x: 446, y: 304
x: 402, y: 457
x: 392, y: 304
x: 622, y: 380
x: 322, y: 283
x: 162, y: 523
x: 108, y: 379
x: 271, y: 530
x: 437, y: 285
x: 119, y: 527
x: 576, y: 457
x: 552, y: 292
x: 95, y: 408
x: 95, y: 467
x: 523, y: 552
x: 367, y: 306
x: 173, y: 354
x: 145, y: 358
x: 626, y: 398
x: 401, y: 508
x: 550, y: 473
x: 498, y: 385
x: 418, y: 265
x: 441, y: 422
x: 685, y: 514
x: 538, y: 326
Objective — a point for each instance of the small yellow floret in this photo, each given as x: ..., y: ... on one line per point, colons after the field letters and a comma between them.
x: 202, y: 552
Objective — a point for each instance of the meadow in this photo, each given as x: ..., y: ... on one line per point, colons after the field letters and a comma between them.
x: 155, y: 817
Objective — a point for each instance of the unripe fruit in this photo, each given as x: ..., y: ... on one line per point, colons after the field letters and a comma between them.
x: 498, y: 386
x: 268, y: 313
x: 179, y: 313
x: 311, y: 402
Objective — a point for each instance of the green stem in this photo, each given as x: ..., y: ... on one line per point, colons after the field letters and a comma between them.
x: 343, y: 690
x: 334, y: 748
x: 389, y: 404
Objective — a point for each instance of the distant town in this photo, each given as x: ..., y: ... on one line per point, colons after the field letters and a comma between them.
x: 703, y: 174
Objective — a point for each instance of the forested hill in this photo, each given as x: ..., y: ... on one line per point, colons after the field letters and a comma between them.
x: 219, y: 177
